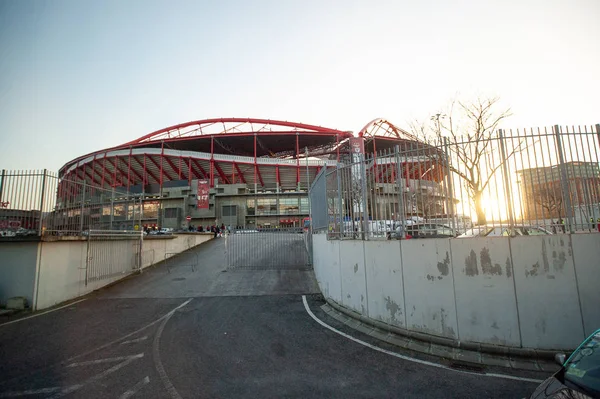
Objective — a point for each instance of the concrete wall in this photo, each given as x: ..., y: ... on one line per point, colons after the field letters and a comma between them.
x: 537, y: 292
x: 158, y: 248
x: 51, y: 272
x: 17, y: 270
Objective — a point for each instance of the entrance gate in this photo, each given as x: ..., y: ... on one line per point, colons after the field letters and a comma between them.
x: 268, y: 249
x: 112, y: 253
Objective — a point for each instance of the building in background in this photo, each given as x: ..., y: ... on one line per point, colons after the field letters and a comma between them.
x: 542, y: 190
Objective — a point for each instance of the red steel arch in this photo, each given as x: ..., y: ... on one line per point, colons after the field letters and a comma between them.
x: 384, y: 128
x: 233, y: 126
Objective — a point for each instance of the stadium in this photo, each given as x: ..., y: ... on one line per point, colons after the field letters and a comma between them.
x: 233, y: 171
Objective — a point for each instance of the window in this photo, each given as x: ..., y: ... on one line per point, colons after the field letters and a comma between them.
x: 266, y: 206
x: 151, y: 210
x: 220, y: 190
x: 171, y: 213
x: 133, y: 212
x: 303, y: 205
x: 250, y: 207
x: 229, y: 210
x: 288, y: 206
x: 119, y: 210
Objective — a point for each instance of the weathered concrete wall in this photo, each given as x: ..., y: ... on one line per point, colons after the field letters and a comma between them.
x: 327, y: 255
x: 17, y: 270
x: 547, y: 291
x: 537, y: 292
x: 485, y: 292
x: 586, y: 253
x: 384, y: 282
x: 51, y: 272
x: 352, y: 262
x: 429, y: 287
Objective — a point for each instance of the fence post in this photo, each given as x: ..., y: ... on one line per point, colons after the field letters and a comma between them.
x: 339, y: 198
x: 449, y: 186
x: 564, y: 177
x: 2, y: 183
x: 82, y: 208
x: 401, y: 209
x: 363, y: 177
x: 507, y: 185
x: 42, y: 202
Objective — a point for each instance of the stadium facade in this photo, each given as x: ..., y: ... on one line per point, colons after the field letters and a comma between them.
x: 233, y: 171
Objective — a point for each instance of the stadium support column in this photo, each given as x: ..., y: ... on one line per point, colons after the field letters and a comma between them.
x: 212, y: 161
x: 297, y: 161
x: 255, y: 166
x: 337, y: 146
x: 103, y: 170
x: 144, y: 179
x: 162, y: 154
x: 190, y: 172
x: 129, y: 170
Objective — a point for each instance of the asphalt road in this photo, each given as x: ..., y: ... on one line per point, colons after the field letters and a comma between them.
x: 209, y: 332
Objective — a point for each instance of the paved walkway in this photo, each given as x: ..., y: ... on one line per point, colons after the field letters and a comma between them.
x: 207, y: 332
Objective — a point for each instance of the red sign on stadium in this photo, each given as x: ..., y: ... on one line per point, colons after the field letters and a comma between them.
x: 357, y: 145
x: 203, y: 188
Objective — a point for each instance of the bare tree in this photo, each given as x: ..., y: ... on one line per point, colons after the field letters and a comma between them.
x: 471, y: 131
x: 550, y: 198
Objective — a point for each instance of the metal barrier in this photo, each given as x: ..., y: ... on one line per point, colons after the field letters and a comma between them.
x: 267, y: 249
x: 36, y: 203
x: 535, y: 181
x: 112, y: 253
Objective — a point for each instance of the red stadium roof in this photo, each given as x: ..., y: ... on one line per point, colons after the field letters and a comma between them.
x: 235, y: 136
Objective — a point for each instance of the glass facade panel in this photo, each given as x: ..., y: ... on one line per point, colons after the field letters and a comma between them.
x: 150, y: 210
x: 250, y: 207
x: 119, y: 210
x: 303, y: 205
x: 266, y: 206
x: 288, y: 206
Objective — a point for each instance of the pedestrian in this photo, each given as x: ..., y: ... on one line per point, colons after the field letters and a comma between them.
x: 598, y: 224
x: 554, y: 226
x: 562, y: 224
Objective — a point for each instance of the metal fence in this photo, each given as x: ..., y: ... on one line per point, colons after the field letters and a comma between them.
x: 513, y: 182
x: 36, y: 203
x: 268, y: 249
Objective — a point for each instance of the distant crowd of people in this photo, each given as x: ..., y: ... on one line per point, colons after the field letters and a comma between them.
x: 217, y: 230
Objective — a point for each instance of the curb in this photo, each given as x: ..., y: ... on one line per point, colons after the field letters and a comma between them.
x: 524, y: 353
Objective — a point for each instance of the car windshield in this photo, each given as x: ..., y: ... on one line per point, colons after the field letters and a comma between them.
x: 583, y: 367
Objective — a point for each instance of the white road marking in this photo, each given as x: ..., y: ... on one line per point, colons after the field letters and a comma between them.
x: 133, y: 390
x: 95, y: 378
x: 131, y: 334
x: 16, y: 394
x: 75, y: 387
x: 156, y: 355
x: 105, y: 360
x: 42, y: 313
x: 133, y: 341
x: 410, y: 359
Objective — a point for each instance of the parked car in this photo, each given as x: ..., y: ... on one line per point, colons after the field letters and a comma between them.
x: 505, y: 231
x: 429, y: 230
x: 579, y: 375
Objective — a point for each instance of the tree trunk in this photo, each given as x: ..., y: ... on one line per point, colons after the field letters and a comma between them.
x: 481, y: 218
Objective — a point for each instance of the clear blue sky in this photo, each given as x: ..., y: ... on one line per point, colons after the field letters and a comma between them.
x: 81, y: 75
